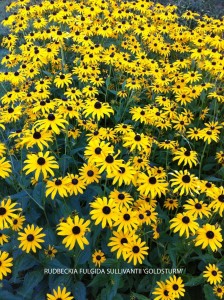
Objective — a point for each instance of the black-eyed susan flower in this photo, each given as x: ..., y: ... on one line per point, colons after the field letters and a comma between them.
x: 121, y: 198
x: 6, y: 263
x: 5, y: 168
x: 17, y: 222
x: 219, y: 291
x: 220, y: 157
x: 3, y: 238
x: 103, y: 211
x: 62, y: 80
x: 40, y: 163
x: 184, y: 182
x: 7, y: 213
x: 74, y: 230
x: 54, y: 122
x: 57, y: 186
x: 97, y: 109
x: 126, y: 220
x: 210, y: 236
x: 89, y: 173
x: 197, y: 208
x: 109, y: 163
x: 175, y: 286
x: 124, y: 175
x: 50, y: 252
x: 98, y: 257
x: 118, y: 242
x: 184, y: 224
x: 151, y: 184
x: 150, y: 215
x: 60, y: 293
x: 217, y: 195
x: 171, y: 203
x: 161, y: 292
x: 76, y: 185
x: 41, y: 139
x: 31, y: 238
x: 185, y: 157
x: 134, y: 141
x: 212, y: 274
x: 136, y: 251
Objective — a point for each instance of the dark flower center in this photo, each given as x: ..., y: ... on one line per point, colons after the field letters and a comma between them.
x: 175, y: 287
x: 140, y: 160
x: 97, y: 105
x: 51, y: 117
x: 106, y: 210
x: 121, y: 196
x: 198, y: 206
x: 10, y: 110
x: 75, y: 181
x: 137, y: 138
x: 152, y: 180
x: 62, y: 76
x: 186, y: 178
x: 141, y: 216
x: 2, y: 211
x: 98, y: 257
x: 41, y: 161
x: 185, y: 220
x: 90, y: 173
x: 123, y: 241
x: 30, y: 237
x: 98, y: 150
x: 148, y: 213
x: 58, y: 182
x: 76, y: 230
x: 109, y: 159
x: 126, y: 217
x: 121, y: 170
x: 221, y: 198
x: 166, y: 293
x: 187, y: 153
x: 15, y: 222
x: 214, y: 273
x: 208, y: 185
x: 36, y: 135
x: 49, y: 252
x: 135, y: 249
x: 210, y: 234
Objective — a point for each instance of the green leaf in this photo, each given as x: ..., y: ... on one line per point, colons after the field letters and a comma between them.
x: 99, y: 280
x: 118, y: 297
x: 79, y: 291
x: 208, y: 167
x: 21, y: 264
x: 85, y: 255
x: 62, y: 280
x: 140, y: 297
x: 195, y: 280
x: 107, y: 81
x: 9, y: 296
x: 208, y: 291
x: 172, y: 254
x: 64, y: 162
x: 38, y: 192
x: 213, y: 178
x: 143, y: 285
x: 31, y: 280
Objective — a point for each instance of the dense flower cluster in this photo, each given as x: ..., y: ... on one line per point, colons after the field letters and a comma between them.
x: 111, y: 127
